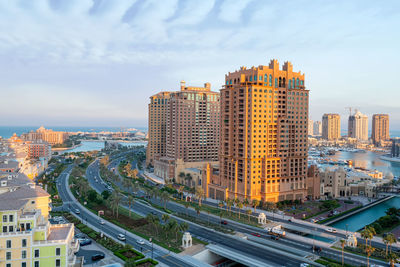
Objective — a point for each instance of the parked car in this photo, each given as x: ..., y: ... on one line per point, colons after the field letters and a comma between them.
x: 121, y: 237
x: 98, y: 256
x: 274, y: 237
x: 80, y: 235
x: 140, y: 241
x: 77, y: 211
x: 224, y: 222
x: 85, y: 242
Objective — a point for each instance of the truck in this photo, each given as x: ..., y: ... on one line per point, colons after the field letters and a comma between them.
x: 275, y: 230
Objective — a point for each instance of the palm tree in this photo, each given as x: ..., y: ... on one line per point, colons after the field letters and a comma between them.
x: 240, y: 206
x: 391, y: 240
x: 369, y: 250
x: 153, y: 220
x: 182, y: 176
x: 246, y: 202
x: 197, y: 208
x: 372, y: 233
x: 189, y: 178
x: 165, y: 198
x: 255, y: 202
x: 180, y: 190
x: 174, y: 227
x: 131, y: 201
x: 342, y: 243
x: 186, y: 206
x: 184, y: 226
x: 165, y: 217
x: 115, y: 200
x: 248, y: 214
x: 229, y: 203
x: 392, y: 258
x: 365, y: 234
x: 199, y: 194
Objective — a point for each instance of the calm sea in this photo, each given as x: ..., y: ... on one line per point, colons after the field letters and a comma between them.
x: 8, y: 131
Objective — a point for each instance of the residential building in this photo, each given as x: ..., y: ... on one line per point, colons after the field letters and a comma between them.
x: 310, y: 128
x: 317, y: 128
x: 48, y: 135
x: 38, y: 149
x: 264, y: 116
x: 191, y: 129
x: 26, y: 236
x: 380, y: 128
x: 358, y: 126
x: 331, y: 126
x: 395, y: 152
x: 157, y: 135
x: 313, y: 183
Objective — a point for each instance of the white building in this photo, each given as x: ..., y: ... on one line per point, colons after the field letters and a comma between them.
x: 317, y: 128
x: 358, y: 126
x: 310, y: 127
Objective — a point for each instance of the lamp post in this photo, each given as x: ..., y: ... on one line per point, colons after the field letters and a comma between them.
x: 346, y: 228
x: 150, y: 239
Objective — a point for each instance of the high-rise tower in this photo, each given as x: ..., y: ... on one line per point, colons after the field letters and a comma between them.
x: 358, y: 126
x: 331, y: 126
x: 380, y: 128
x: 264, y: 118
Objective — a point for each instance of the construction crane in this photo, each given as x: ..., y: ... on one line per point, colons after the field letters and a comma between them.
x: 349, y: 108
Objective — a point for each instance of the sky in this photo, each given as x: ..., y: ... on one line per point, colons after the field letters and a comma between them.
x: 97, y: 62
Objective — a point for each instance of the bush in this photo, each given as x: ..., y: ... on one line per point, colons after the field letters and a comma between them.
x: 120, y: 254
x: 147, y: 260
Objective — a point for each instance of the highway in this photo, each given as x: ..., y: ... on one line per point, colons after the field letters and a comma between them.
x: 161, y: 255
x: 255, y: 251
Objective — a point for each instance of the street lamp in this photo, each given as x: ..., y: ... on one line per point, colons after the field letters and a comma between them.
x: 150, y: 239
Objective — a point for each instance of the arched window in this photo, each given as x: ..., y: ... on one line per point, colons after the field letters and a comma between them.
x: 227, y: 82
x: 280, y: 82
x: 294, y: 83
x: 270, y: 80
x: 290, y: 84
x: 297, y: 82
x: 251, y: 78
x: 255, y: 78
x: 230, y: 81
x: 276, y: 82
x: 283, y: 82
x: 265, y: 78
x: 302, y: 82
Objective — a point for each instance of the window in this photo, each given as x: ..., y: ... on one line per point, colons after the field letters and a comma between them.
x: 11, y: 228
x: 28, y: 226
x: 8, y: 265
x: 8, y: 255
x: 23, y: 264
x: 58, y: 262
x: 270, y: 80
x: 265, y: 78
x: 36, y: 253
x: 8, y: 243
x: 5, y: 229
x: 24, y: 243
x: 58, y: 251
x: 276, y: 82
x: 11, y: 218
x: 36, y: 263
x: 4, y: 218
x: 23, y: 254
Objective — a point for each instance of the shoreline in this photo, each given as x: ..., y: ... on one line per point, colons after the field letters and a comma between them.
x: 390, y: 159
x: 65, y: 148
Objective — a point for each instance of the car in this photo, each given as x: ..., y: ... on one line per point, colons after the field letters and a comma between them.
x: 102, y: 222
x: 316, y: 249
x: 77, y: 211
x: 224, y: 222
x: 304, y: 264
x: 121, y: 237
x: 314, y: 220
x: 274, y: 237
x: 331, y: 230
x: 140, y: 241
x: 256, y: 234
x: 85, y: 242
x: 80, y: 235
x: 98, y: 256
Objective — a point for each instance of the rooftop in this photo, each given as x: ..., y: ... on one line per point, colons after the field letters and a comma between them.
x: 60, y: 231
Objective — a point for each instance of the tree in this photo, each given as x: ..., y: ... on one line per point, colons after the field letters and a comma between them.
x: 199, y: 194
x: 92, y: 195
x: 165, y: 198
x: 386, y: 239
x: 105, y: 194
x: 246, y: 202
x: 105, y: 160
x: 197, y: 209
x: 165, y: 217
x: 240, y: 206
x: 184, y: 226
x: 255, y: 202
x: 391, y: 240
x: 130, y: 263
x: 180, y: 190
x: 369, y: 250
x: 189, y: 178
x: 229, y: 203
x: 248, y: 214
x: 173, y: 226
x: 115, y: 200
x: 186, y: 206
x: 127, y: 168
x: 182, y: 176
x: 392, y: 258
x: 126, y: 184
x: 372, y: 233
x: 342, y: 243
x: 392, y: 211
x: 365, y: 234
x: 153, y: 220
x: 131, y: 201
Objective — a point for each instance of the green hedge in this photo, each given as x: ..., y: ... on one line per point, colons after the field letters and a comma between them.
x: 147, y: 260
x: 119, y: 254
x: 339, y: 215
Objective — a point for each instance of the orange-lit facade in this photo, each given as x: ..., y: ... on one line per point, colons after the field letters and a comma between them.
x: 48, y: 135
x: 380, y: 128
x: 331, y: 126
x: 263, y: 134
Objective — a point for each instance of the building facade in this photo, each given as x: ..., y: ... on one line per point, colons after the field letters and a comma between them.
x: 317, y: 128
x: 264, y: 119
x: 380, y: 128
x: 310, y: 127
x: 331, y: 126
x: 47, y: 135
x: 38, y: 149
x: 156, y: 146
x: 358, y: 126
x: 191, y: 118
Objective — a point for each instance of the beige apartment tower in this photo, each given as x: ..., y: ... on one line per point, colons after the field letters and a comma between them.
x: 331, y: 127
x: 184, y: 126
x: 156, y: 146
x: 264, y: 119
x: 380, y: 128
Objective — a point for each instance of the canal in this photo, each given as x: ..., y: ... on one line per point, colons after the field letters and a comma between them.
x: 365, y: 217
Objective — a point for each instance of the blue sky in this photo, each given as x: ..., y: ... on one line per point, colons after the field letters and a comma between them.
x: 95, y: 63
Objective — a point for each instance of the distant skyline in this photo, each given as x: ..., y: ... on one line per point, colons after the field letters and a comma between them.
x: 96, y: 63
